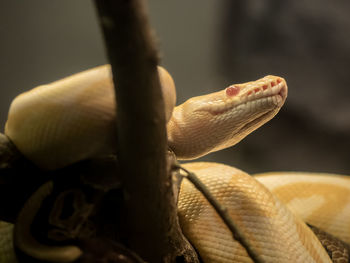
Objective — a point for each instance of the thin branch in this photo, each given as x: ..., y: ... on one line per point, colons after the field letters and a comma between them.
x: 152, y: 228
x: 222, y: 212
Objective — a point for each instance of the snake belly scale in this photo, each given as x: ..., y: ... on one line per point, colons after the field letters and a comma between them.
x: 79, y: 111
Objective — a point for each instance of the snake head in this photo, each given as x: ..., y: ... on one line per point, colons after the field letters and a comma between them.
x: 219, y: 120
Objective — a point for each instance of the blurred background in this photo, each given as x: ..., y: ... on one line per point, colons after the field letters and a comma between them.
x: 207, y: 45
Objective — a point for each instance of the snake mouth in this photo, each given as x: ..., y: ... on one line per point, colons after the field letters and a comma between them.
x: 269, y: 92
x: 257, y: 122
x: 282, y: 93
x: 274, y: 96
x: 277, y: 88
x: 277, y: 97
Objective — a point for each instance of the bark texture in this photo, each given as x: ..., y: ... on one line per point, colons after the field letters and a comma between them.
x: 151, y: 223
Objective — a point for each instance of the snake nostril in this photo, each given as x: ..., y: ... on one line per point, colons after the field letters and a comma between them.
x: 279, y: 80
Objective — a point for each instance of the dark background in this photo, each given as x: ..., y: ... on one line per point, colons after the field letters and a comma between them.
x: 207, y: 45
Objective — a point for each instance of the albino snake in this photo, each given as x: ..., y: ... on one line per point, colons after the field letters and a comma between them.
x: 81, y: 109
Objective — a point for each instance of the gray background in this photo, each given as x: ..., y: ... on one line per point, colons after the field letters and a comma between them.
x: 207, y: 45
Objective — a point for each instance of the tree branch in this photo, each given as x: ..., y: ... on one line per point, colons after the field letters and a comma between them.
x: 152, y: 228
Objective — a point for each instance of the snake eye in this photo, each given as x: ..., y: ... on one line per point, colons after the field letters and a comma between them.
x: 232, y: 91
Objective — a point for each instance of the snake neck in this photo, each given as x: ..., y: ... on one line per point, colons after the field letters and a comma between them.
x: 219, y: 120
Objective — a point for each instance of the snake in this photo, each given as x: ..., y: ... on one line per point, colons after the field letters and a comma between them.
x: 73, y: 119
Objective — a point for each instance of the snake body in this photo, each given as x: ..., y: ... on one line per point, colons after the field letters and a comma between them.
x: 320, y: 199
x: 80, y: 109
x: 73, y: 119
x: 277, y: 234
x: 79, y: 112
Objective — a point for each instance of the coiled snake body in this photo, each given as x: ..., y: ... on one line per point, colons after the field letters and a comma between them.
x: 81, y: 109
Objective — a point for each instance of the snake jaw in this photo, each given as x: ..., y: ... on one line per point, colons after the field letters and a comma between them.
x: 228, y: 116
x: 235, y: 95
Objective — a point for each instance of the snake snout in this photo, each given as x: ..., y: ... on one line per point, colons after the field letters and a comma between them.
x: 269, y: 86
x: 283, y: 91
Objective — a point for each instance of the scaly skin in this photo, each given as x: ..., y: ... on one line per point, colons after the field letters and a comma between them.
x: 277, y: 234
x: 79, y: 111
x: 219, y: 120
x: 320, y: 199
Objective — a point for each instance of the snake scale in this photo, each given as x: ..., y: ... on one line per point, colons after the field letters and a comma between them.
x: 271, y: 209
